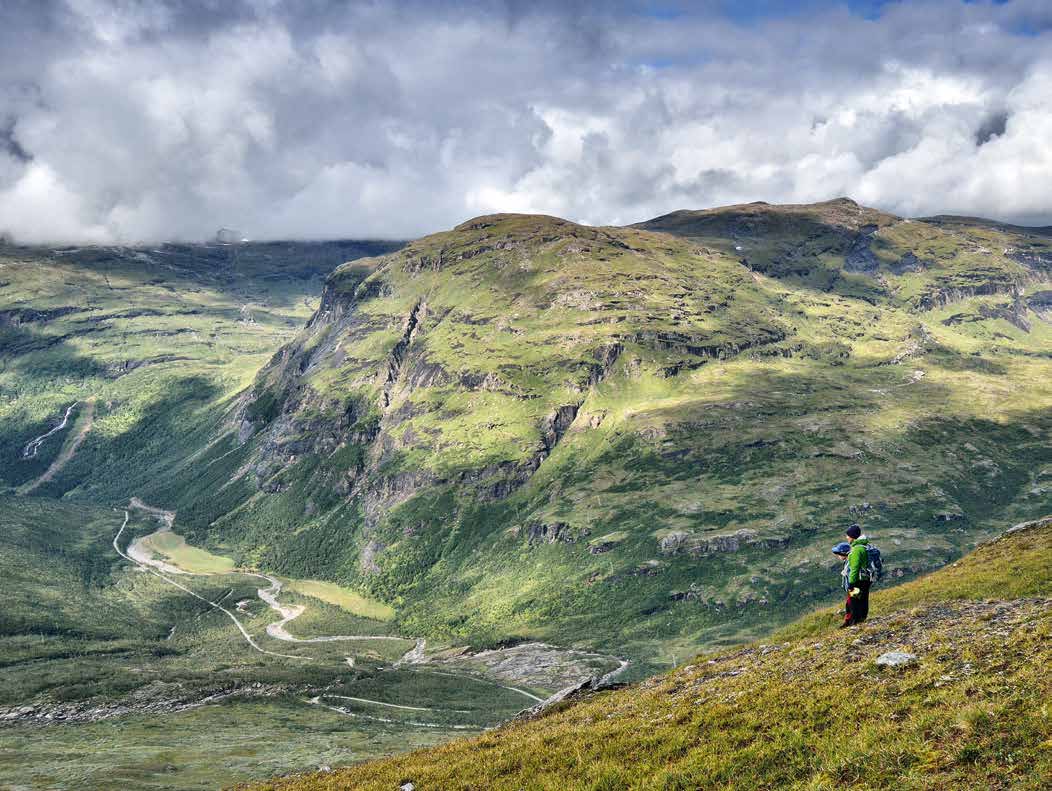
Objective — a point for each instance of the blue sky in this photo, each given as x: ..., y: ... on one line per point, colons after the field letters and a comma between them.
x: 752, y: 10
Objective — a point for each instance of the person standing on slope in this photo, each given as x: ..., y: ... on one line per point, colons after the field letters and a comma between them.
x: 858, y: 580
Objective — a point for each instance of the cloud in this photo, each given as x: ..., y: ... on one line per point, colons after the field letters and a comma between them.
x: 128, y: 120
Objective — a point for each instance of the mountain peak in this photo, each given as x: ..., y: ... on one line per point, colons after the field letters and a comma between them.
x: 510, y: 220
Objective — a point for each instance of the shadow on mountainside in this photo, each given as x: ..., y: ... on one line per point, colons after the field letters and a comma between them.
x: 146, y: 456
x: 232, y: 269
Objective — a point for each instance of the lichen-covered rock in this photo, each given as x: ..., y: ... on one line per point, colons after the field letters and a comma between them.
x: 895, y: 659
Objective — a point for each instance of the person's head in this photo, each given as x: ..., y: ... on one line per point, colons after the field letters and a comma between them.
x: 853, y: 532
x: 842, y: 550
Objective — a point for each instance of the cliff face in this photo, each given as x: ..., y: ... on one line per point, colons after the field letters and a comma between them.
x: 523, y: 423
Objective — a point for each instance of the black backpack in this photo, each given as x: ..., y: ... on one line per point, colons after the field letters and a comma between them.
x: 876, y: 564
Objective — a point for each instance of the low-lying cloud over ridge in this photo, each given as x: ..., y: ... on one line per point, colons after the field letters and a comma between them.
x: 155, y: 119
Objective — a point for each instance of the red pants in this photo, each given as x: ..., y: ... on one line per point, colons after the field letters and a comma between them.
x: 857, y: 607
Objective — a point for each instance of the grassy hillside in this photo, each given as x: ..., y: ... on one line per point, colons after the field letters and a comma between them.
x: 157, y: 340
x: 809, y: 708
x: 646, y: 437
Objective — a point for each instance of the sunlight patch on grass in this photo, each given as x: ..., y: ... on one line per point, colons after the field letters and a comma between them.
x: 174, y: 549
x: 343, y: 598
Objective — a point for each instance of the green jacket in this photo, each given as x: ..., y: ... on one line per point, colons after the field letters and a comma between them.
x: 858, y: 561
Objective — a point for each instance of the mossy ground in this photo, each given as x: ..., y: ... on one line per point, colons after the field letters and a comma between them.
x: 343, y: 598
x: 172, y: 548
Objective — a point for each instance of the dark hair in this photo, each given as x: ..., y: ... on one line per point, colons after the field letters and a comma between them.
x: 854, y: 531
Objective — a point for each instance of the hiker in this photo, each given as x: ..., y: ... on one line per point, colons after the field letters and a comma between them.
x: 858, y: 577
x: 842, y: 550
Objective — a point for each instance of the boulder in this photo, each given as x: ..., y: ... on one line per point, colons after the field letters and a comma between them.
x: 896, y: 659
x: 673, y: 541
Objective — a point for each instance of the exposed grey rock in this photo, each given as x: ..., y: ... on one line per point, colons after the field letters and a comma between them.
x: 398, y: 354
x: 859, y: 256
x: 908, y: 263
x: 1041, y: 303
x: 937, y: 297
x: 1037, y: 261
x: 19, y: 316
x: 607, y: 356
x: 1036, y: 523
x: 592, y: 684
x: 555, y: 425
x: 671, y: 543
x: 245, y: 431
x: 693, y: 593
x: 543, y: 533
x: 648, y: 568
x: 158, y: 697
x: 119, y: 369
x: 699, y: 345
x: 696, y: 545
x: 896, y: 659
x: 368, y: 557
x: 536, y: 665
x: 425, y: 373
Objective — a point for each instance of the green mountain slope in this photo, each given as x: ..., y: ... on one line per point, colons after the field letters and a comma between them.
x: 154, y: 338
x: 645, y: 438
x: 811, y: 708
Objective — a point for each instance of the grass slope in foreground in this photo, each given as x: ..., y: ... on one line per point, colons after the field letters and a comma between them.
x: 809, y: 709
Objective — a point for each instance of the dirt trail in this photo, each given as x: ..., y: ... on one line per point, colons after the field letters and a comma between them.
x: 168, y: 517
x: 137, y: 548
x: 149, y: 568
x: 487, y: 681
x: 269, y: 595
x: 291, y: 611
x: 68, y: 451
x: 317, y: 701
x: 139, y: 554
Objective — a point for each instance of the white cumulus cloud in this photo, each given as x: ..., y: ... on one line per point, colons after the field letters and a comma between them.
x: 129, y: 120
